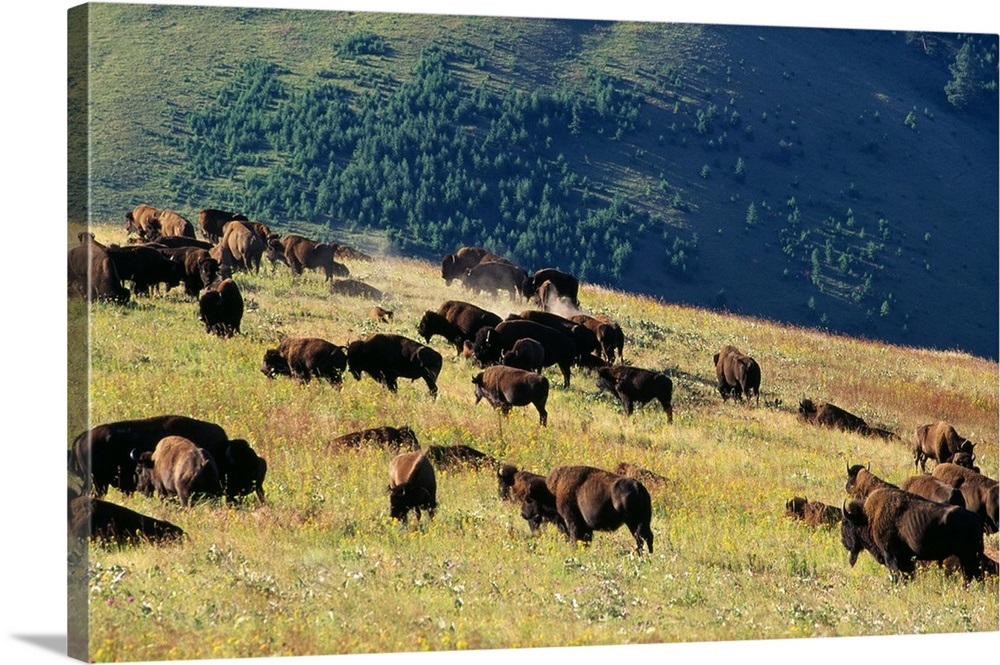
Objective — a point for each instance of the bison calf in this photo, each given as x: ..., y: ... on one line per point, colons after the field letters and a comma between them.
x: 178, y: 467
x: 411, y: 485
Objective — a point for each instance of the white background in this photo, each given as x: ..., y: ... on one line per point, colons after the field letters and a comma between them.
x: 32, y: 312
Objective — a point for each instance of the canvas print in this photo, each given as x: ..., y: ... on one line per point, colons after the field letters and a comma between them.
x: 411, y: 332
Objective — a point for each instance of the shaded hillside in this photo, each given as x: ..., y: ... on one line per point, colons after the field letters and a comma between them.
x: 821, y: 177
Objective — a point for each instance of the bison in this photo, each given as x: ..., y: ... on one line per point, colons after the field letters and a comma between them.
x: 610, y: 337
x: 390, y: 438
x: 93, y: 275
x: 102, y: 454
x: 377, y: 313
x: 565, y: 285
x: 980, y: 492
x: 824, y: 414
x: 241, y: 470
x: 737, y: 374
x: 588, y: 499
x: 177, y: 467
x: 453, y: 266
x: 898, y: 527
x: 170, y: 223
x: 298, y: 252
x: 644, y: 476
x: 459, y: 455
x: 110, y: 523
x: 456, y: 321
x: 633, y: 385
x: 305, y: 358
x: 813, y: 513
x: 211, y: 222
x: 220, y: 308
x: 412, y: 485
x: 527, y: 354
x: 387, y: 357
x: 146, y: 267
x: 240, y: 247
x: 584, y: 338
x: 861, y: 481
x: 515, y: 486
x: 494, y: 276
x: 355, y: 289
x: 141, y: 220
x: 505, y: 387
x: 933, y: 489
x: 491, y: 343
x: 198, y: 269
x: 940, y: 442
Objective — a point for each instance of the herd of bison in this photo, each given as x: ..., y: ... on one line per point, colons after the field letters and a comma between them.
x: 940, y: 516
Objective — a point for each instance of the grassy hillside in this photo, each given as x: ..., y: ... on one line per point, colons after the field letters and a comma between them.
x: 819, y: 177
x: 321, y: 568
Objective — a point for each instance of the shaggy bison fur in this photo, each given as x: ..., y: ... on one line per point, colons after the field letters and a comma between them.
x: 177, y: 467
x: 412, y: 485
x: 738, y: 374
x: 940, y: 442
x: 387, y: 357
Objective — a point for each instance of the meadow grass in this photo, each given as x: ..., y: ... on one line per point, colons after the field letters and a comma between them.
x: 321, y: 568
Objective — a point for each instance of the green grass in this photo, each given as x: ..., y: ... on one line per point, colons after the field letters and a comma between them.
x: 321, y: 568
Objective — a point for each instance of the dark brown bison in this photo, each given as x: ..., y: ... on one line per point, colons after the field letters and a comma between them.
x: 177, y: 467
x: 387, y: 357
x: 898, y: 527
x: 93, y: 275
x: 933, y: 489
x: 141, y: 220
x: 305, y: 358
x: 494, y: 276
x: 241, y: 470
x: 453, y: 266
x: 636, y: 386
x: 459, y: 455
x: 737, y: 374
x: 211, y: 221
x: 198, y: 268
x: 980, y: 492
x: 220, y: 308
x: 456, y: 321
x: 347, y: 253
x: 298, y: 252
x: 940, y: 442
x: 412, y: 485
x: 506, y: 387
x: 146, y: 267
x: 610, y: 337
x: 588, y: 499
x: 389, y: 438
x: 527, y: 354
x: 177, y: 241
x: 565, y: 285
x: 355, y: 289
x: 240, y: 247
x: 515, y: 486
x: 813, y: 513
x: 584, y: 338
x: 824, y: 414
x: 861, y: 482
x: 102, y: 456
x: 112, y: 524
x: 491, y: 343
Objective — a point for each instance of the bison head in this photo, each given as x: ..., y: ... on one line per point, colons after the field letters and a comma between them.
x: 852, y: 476
x: 404, y: 497
x: 796, y: 507
x: 144, y: 470
x: 356, y: 358
x: 245, y: 470
x: 485, y: 349
x: 606, y: 379
x: 852, y: 529
x: 423, y: 328
x: 505, y: 480
x: 274, y: 363
x: 964, y: 459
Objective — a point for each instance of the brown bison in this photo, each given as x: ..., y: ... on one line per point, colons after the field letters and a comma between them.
x: 459, y: 455
x: 220, y: 308
x: 241, y: 470
x: 737, y: 374
x: 240, y: 247
x: 146, y: 267
x: 390, y: 438
x: 940, y: 442
x: 412, y: 485
x: 584, y: 338
x: 355, y: 289
x: 177, y: 467
x: 824, y: 414
x: 170, y: 223
x: 980, y: 492
x: 506, y: 387
x: 199, y: 269
x: 588, y: 499
x: 644, y: 476
x: 861, y: 481
x: 491, y: 343
x: 102, y: 455
x: 527, y: 354
x: 387, y: 357
x: 898, y: 527
x: 298, y: 252
x: 813, y: 513
x: 456, y: 321
x: 377, y: 313
x: 633, y: 385
x: 305, y: 358
x: 515, y: 486
x: 565, y: 285
x: 494, y: 276
x: 93, y: 275
x: 933, y: 489
x: 610, y: 337
x: 141, y: 220
x: 453, y: 266
x: 110, y: 523
x: 211, y: 222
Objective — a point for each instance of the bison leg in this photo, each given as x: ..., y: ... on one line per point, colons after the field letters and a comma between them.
x: 626, y: 403
x: 642, y: 533
x: 431, y: 384
x: 564, y: 366
x: 668, y: 408
x: 543, y: 415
